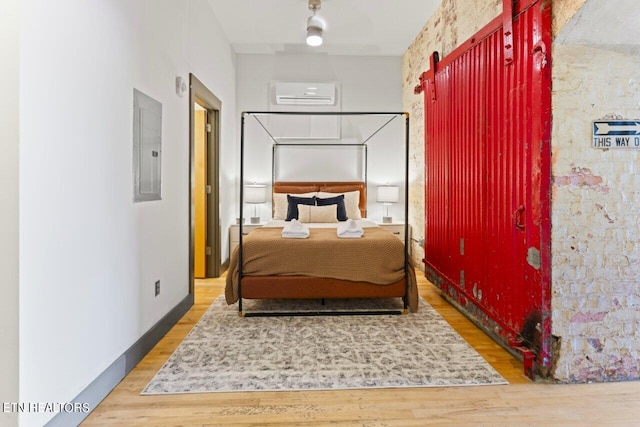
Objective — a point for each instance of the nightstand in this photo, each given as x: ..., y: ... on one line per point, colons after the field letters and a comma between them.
x: 397, y: 228
x: 234, y: 234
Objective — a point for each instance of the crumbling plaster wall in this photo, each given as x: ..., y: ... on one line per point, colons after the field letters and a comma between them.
x: 596, y: 202
x: 595, y: 217
x: 595, y: 193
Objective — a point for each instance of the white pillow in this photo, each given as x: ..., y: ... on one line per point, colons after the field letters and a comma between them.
x: 280, y: 204
x: 308, y: 213
x: 351, y: 201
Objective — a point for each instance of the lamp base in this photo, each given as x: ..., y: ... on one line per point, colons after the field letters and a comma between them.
x: 387, y: 220
x: 255, y: 220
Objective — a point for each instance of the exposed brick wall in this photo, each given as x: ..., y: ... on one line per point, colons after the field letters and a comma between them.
x: 595, y: 193
x: 595, y: 217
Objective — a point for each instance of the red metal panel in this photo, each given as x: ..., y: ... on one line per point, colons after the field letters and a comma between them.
x: 436, y: 248
x: 488, y: 177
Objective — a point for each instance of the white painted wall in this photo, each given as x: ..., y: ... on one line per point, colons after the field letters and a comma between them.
x: 9, y: 136
x: 89, y: 256
x: 367, y: 84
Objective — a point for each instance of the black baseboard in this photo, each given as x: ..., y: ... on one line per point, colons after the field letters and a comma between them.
x: 95, y: 392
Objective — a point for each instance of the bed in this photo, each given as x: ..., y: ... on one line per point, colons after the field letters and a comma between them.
x: 322, y: 266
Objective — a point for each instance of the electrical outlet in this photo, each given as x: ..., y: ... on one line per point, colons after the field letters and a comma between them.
x: 157, y: 287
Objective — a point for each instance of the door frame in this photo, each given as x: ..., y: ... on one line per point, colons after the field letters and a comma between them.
x: 200, y: 94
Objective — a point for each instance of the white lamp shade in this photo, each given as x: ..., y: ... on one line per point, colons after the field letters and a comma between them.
x: 388, y: 194
x: 255, y: 193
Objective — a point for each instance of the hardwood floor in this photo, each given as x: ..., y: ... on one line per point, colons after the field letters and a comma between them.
x: 521, y: 403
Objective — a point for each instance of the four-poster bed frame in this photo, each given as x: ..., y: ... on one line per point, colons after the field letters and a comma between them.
x: 306, y: 287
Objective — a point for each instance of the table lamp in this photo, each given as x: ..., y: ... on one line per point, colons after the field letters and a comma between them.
x: 255, y: 194
x: 388, y: 194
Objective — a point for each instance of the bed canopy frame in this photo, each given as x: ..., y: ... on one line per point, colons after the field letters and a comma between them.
x: 321, y: 142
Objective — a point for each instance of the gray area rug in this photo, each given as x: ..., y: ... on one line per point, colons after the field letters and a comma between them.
x: 225, y: 352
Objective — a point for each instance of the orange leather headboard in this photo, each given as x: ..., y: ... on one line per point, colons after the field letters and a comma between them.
x: 329, y: 187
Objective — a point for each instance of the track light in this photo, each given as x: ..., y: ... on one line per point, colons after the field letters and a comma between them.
x: 314, y: 30
x: 315, y: 25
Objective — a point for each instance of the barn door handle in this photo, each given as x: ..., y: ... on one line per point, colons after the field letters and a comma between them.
x: 518, y: 218
x: 541, y: 47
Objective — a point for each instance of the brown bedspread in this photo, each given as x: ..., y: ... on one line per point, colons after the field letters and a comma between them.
x: 377, y: 257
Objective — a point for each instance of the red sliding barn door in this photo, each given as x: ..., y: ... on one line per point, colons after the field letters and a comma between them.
x: 487, y: 160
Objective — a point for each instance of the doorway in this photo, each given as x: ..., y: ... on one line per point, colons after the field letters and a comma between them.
x: 204, y: 212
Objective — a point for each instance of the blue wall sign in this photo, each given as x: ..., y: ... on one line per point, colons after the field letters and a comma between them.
x: 616, y: 134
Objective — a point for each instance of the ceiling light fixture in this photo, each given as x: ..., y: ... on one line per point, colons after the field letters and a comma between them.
x: 315, y: 25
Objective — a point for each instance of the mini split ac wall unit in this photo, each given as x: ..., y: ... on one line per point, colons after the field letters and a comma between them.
x: 287, y: 93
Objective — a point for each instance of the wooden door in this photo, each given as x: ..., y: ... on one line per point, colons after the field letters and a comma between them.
x: 200, y: 195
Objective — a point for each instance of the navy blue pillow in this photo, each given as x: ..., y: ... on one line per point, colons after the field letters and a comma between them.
x: 293, y: 202
x: 338, y: 200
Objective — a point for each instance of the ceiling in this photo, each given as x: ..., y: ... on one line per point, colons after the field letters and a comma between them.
x: 354, y: 27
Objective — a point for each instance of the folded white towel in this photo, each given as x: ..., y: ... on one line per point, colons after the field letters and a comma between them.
x: 350, y: 229
x: 294, y: 229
